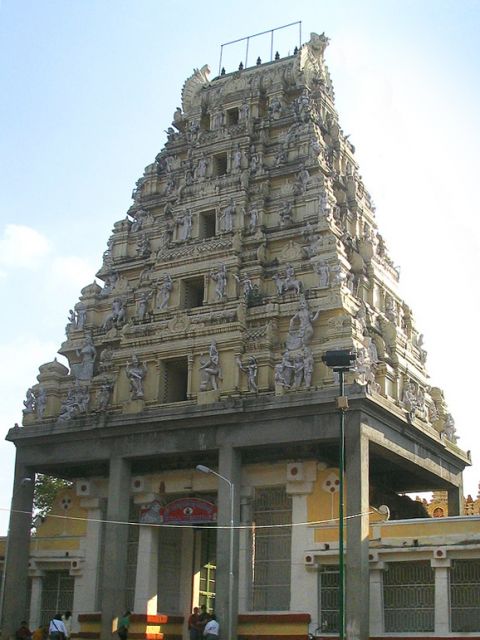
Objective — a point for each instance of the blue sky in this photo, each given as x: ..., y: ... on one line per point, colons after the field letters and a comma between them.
x: 88, y: 88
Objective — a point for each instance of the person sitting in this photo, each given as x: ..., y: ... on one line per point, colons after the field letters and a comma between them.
x: 23, y: 632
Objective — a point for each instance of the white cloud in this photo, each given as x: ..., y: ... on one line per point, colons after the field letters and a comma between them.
x: 22, y: 246
x: 72, y: 271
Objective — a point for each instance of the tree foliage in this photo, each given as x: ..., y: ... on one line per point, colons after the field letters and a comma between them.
x: 46, y: 490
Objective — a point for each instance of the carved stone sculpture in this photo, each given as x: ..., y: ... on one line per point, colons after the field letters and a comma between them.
x: 323, y: 272
x: 184, y: 224
x: 75, y: 403
x: 301, y: 182
x: 300, y: 331
x: 286, y: 214
x: 29, y: 402
x: 104, y: 396
x: 40, y: 402
x: 136, y: 373
x: 202, y: 166
x: 237, y: 160
x: 142, y: 304
x: 251, y: 369
x: 227, y: 216
x: 165, y: 291
x: 143, y: 247
x: 84, y: 369
x: 308, y: 364
x: 220, y: 278
x: 252, y: 219
x: 210, y: 372
x: 117, y: 316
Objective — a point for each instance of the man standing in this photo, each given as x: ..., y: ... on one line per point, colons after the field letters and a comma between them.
x: 212, y: 628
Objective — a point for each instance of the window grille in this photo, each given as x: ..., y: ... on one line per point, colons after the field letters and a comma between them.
x: 328, y: 585
x: 169, y: 559
x: 272, y: 549
x: 57, y: 594
x: 409, y: 596
x: 465, y: 595
x: 208, y: 568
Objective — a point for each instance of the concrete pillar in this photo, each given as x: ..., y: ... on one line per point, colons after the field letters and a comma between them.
x: 455, y: 500
x: 86, y: 585
x: 116, y: 537
x: 229, y: 465
x: 356, y: 560
x: 146, y: 582
x: 245, y: 552
x: 376, y: 599
x: 17, y: 550
x: 36, y: 600
x: 442, y: 597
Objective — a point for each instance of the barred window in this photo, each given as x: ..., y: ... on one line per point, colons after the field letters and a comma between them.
x: 57, y: 594
x: 409, y: 596
x: 328, y: 585
x: 465, y: 595
x: 272, y: 549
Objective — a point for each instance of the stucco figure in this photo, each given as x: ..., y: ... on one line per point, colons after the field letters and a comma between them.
x: 136, y: 373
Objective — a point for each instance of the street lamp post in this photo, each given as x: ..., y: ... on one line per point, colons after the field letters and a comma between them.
x: 340, y: 361
x: 203, y: 469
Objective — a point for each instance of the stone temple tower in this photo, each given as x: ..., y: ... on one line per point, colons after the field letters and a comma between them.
x: 250, y: 249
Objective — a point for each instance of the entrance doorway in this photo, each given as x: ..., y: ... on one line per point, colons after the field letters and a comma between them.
x: 204, y: 567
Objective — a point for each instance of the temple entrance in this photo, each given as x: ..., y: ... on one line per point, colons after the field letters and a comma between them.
x: 204, y: 567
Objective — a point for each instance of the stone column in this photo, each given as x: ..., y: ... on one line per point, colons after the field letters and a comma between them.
x: 86, y: 585
x: 146, y: 582
x: 229, y: 465
x: 18, y: 549
x: 36, y: 600
x: 442, y: 597
x: 455, y: 500
x: 356, y: 557
x: 376, y: 599
x: 116, y: 537
x: 245, y: 551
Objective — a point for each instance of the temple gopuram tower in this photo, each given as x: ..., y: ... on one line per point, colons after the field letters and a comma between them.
x: 251, y: 249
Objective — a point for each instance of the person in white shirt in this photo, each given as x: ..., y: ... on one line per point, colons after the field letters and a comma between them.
x: 212, y: 628
x: 57, y: 628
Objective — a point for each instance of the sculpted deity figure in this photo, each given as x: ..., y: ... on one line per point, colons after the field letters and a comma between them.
x: 254, y: 160
x: 81, y: 313
x: 29, y: 402
x: 142, y: 304
x: 218, y: 119
x: 184, y: 224
x: 165, y: 291
x: 220, y: 278
x: 84, y: 369
x: 409, y: 399
x: 75, y: 403
x: 449, y: 429
x: 243, y: 111
x: 300, y: 332
x: 286, y: 214
x: 246, y: 284
x: 275, y: 109
x: 136, y: 373
x: 210, y: 369
x: 251, y: 369
x: 252, y: 219
x: 111, y: 280
x: 323, y: 272
x: 227, y: 216
x: 117, y: 316
x: 202, y: 167
x: 298, y: 366
x: 143, y: 246
x: 140, y: 217
x: 41, y: 402
x: 308, y: 364
x: 301, y: 182
x: 104, y: 396
x: 237, y: 159
x: 168, y: 232
x: 285, y: 370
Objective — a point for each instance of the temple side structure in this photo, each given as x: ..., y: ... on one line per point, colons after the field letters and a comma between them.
x: 250, y: 249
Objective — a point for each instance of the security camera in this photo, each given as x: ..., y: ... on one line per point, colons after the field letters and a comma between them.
x: 25, y: 481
